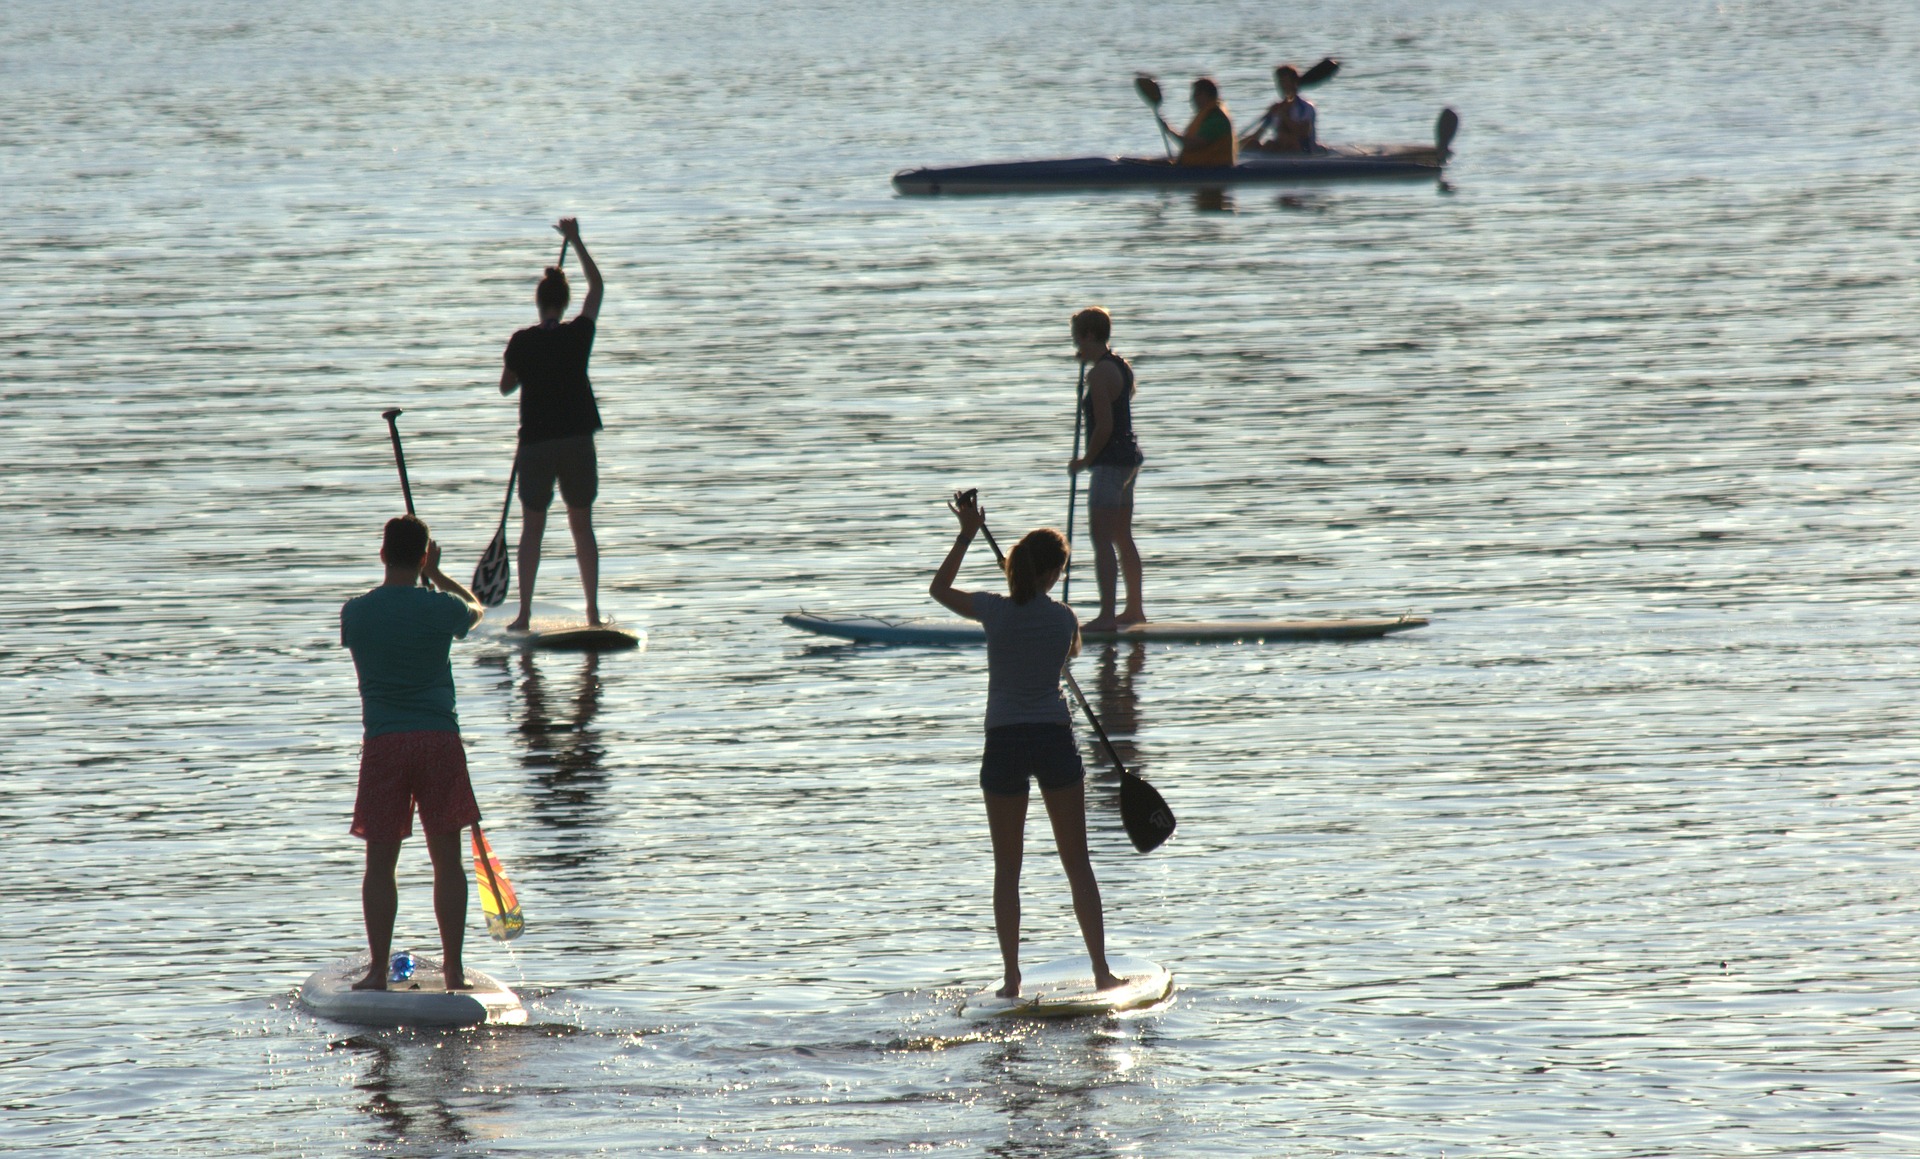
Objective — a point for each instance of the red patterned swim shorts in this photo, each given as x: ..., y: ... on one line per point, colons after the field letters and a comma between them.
x: 401, y: 769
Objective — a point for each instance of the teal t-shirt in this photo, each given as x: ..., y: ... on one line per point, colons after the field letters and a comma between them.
x: 399, y: 637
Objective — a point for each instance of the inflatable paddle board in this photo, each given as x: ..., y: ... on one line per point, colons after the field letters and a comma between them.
x: 420, y: 1001
x: 916, y: 631
x: 559, y: 629
x: 1064, y: 989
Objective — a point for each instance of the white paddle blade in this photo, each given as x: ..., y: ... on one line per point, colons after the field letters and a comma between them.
x: 494, y: 575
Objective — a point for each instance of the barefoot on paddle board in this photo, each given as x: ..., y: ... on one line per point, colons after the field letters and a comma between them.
x: 1066, y: 989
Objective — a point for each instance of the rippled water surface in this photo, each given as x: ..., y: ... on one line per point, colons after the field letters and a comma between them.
x: 1614, y: 859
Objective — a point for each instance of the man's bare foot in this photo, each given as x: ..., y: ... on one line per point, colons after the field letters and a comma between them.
x: 1011, y: 989
x: 376, y: 979
x: 1100, y: 624
x: 1106, y: 980
x: 595, y: 619
x: 456, y: 978
x: 521, y: 623
x: 1130, y: 616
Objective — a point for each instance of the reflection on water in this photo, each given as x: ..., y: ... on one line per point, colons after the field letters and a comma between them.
x: 560, y: 748
x: 1116, y: 700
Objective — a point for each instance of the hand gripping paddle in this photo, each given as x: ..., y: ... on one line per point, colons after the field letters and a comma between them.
x: 1143, y: 811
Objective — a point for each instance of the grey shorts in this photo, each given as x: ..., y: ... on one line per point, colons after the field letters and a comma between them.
x: 1112, y: 486
x: 571, y: 461
x: 1045, y: 752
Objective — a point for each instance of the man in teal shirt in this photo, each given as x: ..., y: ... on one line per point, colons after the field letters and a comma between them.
x: 400, y: 634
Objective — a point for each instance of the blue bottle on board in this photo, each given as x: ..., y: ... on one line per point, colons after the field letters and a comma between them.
x: 401, y: 968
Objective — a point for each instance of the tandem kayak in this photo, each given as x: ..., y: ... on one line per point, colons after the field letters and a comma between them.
x: 876, y: 629
x: 1327, y: 163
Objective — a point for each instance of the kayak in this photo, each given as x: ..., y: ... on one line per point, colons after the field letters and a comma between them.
x: 1339, y: 162
x: 1256, y: 167
x: 875, y: 629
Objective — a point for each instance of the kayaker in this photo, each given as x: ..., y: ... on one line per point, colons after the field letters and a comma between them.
x: 411, y: 755
x: 1114, y: 454
x: 1209, y: 138
x: 1030, y: 638
x: 1292, y: 121
x: 558, y: 416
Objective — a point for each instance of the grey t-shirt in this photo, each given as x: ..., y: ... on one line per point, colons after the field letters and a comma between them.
x: 1027, y: 646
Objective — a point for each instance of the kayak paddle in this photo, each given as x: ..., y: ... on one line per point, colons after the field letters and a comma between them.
x: 1319, y: 72
x: 493, y: 575
x: 1149, y: 90
x: 1143, y: 811
x: 1073, y: 484
x: 1443, y: 130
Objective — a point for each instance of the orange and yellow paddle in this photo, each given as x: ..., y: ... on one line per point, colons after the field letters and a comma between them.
x: 504, y: 921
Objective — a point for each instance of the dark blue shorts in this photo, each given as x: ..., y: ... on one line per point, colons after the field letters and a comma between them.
x: 1046, y: 752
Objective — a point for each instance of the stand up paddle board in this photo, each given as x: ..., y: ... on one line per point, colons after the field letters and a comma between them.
x: 560, y: 628
x: 916, y: 631
x: 422, y: 1000
x: 1064, y: 989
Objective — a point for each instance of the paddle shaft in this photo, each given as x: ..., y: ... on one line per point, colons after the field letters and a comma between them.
x: 1099, y: 730
x: 399, y: 456
x: 1073, y: 485
x: 400, y: 461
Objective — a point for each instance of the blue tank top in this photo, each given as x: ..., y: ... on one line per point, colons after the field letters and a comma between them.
x: 1122, y: 449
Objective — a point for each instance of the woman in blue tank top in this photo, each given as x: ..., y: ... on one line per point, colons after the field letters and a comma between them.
x: 1114, y: 454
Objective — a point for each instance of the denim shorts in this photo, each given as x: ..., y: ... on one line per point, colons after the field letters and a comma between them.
x: 1045, y: 752
x: 1112, y: 486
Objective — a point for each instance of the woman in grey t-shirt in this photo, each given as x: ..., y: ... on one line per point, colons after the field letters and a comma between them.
x: 1030, y: 637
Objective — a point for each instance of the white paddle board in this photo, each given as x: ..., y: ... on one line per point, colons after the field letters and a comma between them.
x: 422, y: 1000
x: 878, y: 629
x: 1064, y: 989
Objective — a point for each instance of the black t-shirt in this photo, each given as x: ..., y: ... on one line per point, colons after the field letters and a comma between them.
x: 556, y: 400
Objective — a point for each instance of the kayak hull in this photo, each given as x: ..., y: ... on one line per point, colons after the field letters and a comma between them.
x: 875, y: 629
x: 1336, y: 163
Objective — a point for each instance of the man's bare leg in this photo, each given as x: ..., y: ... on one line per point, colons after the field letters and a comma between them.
x: 1100, y: 521
x: 533, y: 528
x: 586, y: 550
x: 379, y: 903
x: 450, y: 903
x: 1007, y: 822
x: 1136, y: 611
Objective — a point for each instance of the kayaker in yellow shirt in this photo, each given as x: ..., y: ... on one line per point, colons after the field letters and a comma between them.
x: 1209, y: 138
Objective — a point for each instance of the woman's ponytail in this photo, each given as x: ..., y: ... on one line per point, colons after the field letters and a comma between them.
x: 1038, y: 552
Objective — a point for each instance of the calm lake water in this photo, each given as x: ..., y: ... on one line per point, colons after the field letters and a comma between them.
x: 1617, y: 858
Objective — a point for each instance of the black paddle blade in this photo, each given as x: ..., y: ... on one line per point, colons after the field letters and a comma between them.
x: 1148, y: 88
x: 1319, y: 72
x: 1144, y: 813
x: 492, y: 578
x: 1444, y: 129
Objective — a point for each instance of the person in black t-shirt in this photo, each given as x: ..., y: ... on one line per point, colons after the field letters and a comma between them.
x: 558, y: 416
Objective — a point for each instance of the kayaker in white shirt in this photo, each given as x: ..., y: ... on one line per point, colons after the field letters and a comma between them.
x: 1292, y: 121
